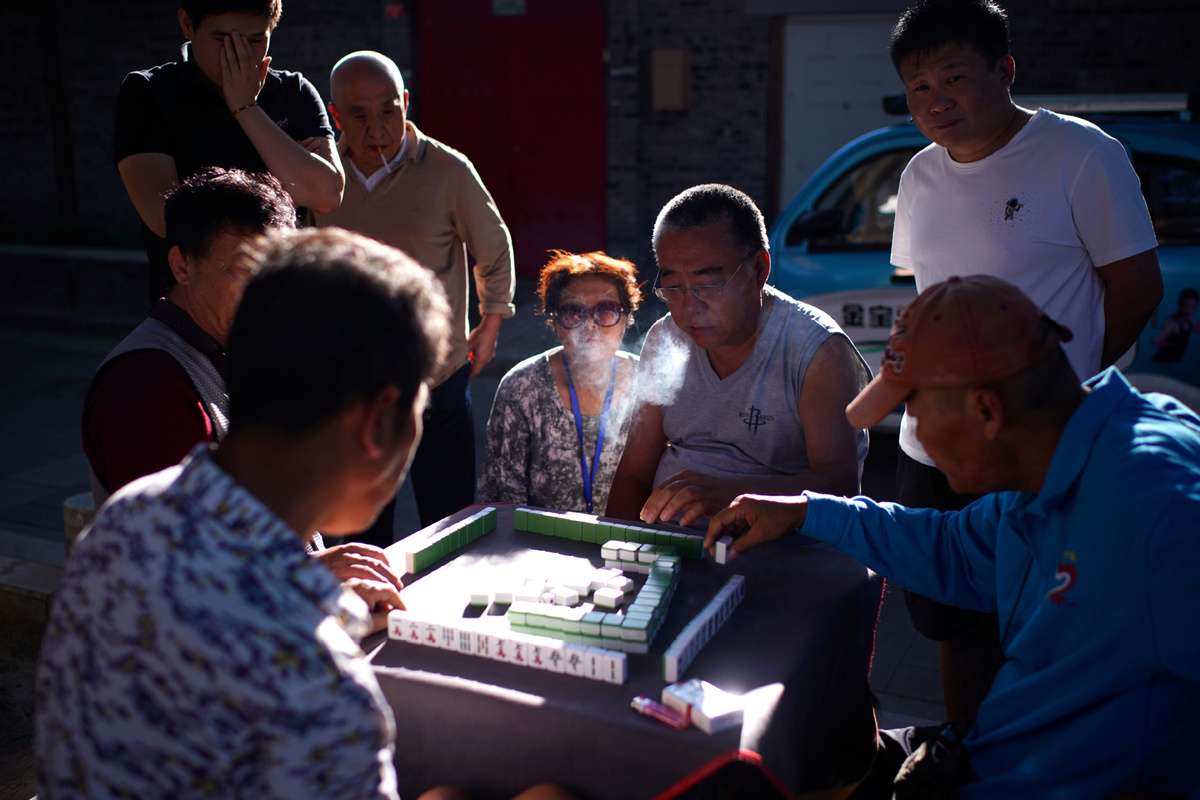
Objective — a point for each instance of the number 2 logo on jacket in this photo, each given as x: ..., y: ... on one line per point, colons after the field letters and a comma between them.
x: 1064, y: 578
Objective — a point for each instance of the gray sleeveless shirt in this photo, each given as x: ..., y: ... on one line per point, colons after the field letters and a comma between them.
x: 747, y: 424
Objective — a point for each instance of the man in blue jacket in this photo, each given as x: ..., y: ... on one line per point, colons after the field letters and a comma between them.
x: 1086, y: 544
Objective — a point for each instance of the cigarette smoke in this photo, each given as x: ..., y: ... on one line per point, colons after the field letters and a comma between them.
x: 588, y: 344
x: 664, y: 365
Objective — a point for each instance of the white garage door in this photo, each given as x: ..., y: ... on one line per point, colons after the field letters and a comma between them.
x: 836, y: 70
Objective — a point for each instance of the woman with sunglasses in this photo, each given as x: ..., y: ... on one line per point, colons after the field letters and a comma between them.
x: 559, y: 420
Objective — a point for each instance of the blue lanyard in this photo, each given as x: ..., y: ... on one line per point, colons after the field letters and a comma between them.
x: 588, y: 478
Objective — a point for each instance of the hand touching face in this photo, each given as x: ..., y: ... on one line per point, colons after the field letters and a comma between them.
x: 231, y: 51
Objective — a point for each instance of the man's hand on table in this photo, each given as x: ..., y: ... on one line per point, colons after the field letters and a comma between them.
x: 692, y: 494
x: 380, y: 597
x: 365, y: 569
x: 359, y: 560
x: 754, y: 519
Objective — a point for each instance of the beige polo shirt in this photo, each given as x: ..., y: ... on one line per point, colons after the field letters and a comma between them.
x: 435, y: 208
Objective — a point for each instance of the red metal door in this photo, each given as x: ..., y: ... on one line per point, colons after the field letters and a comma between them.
x: 523, y: 96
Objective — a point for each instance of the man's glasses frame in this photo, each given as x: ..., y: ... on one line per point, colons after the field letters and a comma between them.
x: 705, y: 294
x: 605, y: 314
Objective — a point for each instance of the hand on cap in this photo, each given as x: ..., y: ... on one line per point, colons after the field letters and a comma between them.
x: 755, y: 519
x: 692, y: 494
x: 241, y: 78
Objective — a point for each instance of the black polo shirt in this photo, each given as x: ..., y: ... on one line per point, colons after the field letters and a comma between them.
x: 173, y: 109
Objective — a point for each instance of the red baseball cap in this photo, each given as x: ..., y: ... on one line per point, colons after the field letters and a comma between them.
x: 960, y: 334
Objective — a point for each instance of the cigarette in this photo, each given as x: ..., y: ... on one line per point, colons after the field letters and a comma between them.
x: 383, y: 158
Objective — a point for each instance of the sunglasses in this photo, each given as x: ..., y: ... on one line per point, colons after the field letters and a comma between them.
x: 605, y: 314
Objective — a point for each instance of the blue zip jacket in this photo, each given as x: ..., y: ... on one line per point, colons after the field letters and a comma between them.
x: 1096, y: 579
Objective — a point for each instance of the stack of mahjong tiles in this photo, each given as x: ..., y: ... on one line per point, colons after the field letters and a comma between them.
x: 425, y: 548
x: 708, y: 707
x: 535, y: 652
x: 632, y: 631
x: 590, y: 528
x: 607, y: 588
x: 702, y: 627
x: 634, y: 557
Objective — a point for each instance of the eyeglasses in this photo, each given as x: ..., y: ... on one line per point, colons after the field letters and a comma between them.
x: 605, y: 314
x: 705, y: 294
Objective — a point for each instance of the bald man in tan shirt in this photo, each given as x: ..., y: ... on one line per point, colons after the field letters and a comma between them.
x: 415, y: 193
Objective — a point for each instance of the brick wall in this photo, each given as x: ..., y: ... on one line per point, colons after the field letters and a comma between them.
x: 1060, y: 45
x: 721, y: 138
x: 1083, y: 46
x: 102, y: 41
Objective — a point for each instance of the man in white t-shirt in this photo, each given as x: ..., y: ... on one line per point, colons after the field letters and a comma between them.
x: 1046, y: 202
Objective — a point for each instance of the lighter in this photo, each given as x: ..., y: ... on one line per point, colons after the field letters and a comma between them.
x: 667, y: 716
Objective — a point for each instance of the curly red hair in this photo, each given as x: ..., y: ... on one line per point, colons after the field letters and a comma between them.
x: 564, y: 266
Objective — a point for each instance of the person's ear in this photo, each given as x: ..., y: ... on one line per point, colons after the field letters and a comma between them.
x: 334, y: 116
x: 185, y: 25
x: 987, y: 411
x: 380, y: 422
x: 1008, y: 71
x: 762, y: 267
x: 181, y: 265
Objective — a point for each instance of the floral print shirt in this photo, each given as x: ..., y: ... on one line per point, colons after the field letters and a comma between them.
x: 195, y: 650
x: 531, y: 455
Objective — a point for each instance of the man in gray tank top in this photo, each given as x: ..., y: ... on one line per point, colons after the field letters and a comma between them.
x: 742, y: 388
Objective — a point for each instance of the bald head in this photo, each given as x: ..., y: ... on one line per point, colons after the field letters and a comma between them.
x: 364, y: 64
x: 370, y: 107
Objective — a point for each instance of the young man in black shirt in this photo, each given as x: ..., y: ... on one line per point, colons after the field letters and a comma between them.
x: 221, y: 105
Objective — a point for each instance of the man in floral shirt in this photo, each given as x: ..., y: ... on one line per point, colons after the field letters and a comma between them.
x: 194, y: 649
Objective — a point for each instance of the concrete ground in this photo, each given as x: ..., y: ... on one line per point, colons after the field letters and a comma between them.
x: 41, y: 464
